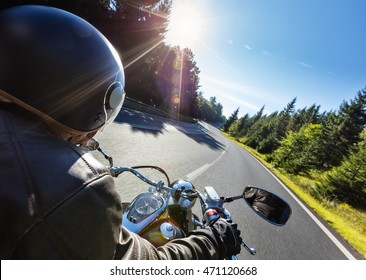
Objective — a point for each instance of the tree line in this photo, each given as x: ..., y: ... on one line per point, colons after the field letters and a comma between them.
x: 330, y: 146
x: 163, y: 76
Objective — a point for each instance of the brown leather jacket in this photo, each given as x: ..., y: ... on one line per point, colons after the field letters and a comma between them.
x: 58, y: 202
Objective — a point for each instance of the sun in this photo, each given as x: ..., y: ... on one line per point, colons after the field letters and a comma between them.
x: 185, y: 24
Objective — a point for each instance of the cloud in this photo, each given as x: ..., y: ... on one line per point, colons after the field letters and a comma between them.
x: 230, y: 41
x: 236, y: 100
x: 248, y: 47
x: 304, y: 64
x: 235, y: 92
x: 290, y: 60
x: 228, y: 85
x: 297, y: 62
x: 219, y: 85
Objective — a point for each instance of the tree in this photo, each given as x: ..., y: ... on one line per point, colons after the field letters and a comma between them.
x: 343, y: 128
x: 305, y: 116
x: 262, y: 136
x: 210, y: 111
x: 346, y: 183
x: 300, y: 151
x: 353, y: 115
x: 177, y: 81
x: 243, y: 126
x: 265, y: 133
x: 189, y: 84
x: 231, y: 120
x: 284, y: 120
x: 246, y: 123
x: 137, y: 29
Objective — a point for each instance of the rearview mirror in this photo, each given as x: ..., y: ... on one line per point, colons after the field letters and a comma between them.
x: 267, y: 205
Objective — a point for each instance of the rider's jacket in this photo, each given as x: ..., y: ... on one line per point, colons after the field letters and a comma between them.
x: 58, y: 202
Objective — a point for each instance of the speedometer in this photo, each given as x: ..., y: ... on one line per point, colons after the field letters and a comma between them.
x: 146, y: 205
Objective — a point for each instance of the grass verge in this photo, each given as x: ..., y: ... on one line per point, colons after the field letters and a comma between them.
x: 350, y: 223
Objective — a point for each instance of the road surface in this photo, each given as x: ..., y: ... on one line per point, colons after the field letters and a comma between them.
x: 201, y: 154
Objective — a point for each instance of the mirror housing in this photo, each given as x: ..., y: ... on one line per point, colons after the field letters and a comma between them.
x: 267, y: 205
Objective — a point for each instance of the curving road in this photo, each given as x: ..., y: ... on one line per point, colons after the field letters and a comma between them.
x: 200, y: 154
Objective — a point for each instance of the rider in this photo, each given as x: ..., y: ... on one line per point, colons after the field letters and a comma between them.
x: 61, y: 82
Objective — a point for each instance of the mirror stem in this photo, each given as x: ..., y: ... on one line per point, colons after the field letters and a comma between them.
x: 107, y: 157
x: 230, y: 199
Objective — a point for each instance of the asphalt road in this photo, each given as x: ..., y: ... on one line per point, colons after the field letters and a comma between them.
x: 200, y: 154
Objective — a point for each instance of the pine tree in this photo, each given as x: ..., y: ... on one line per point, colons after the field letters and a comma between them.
x: 346, y: 183
x: 343, y: 128
x: 300, y: 151
x: 231, y: 120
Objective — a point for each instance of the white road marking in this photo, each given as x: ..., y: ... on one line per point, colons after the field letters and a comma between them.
x: 196, y: 172
x: 204, y: 167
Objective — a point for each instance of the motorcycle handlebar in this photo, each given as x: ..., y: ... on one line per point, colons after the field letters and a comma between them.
x: 115, y: 171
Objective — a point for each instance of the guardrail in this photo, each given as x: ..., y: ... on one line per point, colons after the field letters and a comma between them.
x: 142, y: 107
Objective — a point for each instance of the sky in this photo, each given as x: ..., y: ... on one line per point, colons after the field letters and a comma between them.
x: 266, y: 52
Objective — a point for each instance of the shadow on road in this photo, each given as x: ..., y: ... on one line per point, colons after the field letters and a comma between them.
x: 202, y: 136
x: 141, y: 122
x: 149, y: 124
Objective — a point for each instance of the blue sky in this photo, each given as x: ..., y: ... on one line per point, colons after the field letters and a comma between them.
x: 266, y: 52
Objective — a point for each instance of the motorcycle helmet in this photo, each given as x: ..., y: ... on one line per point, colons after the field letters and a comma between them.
x: 61, y: 68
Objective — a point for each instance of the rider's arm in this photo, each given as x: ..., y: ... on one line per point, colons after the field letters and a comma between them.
x: 201, y: 244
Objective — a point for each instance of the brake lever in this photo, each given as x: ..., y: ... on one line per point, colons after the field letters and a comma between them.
x: 250, y: 249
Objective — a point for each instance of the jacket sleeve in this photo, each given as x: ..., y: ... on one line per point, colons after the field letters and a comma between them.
x: 200, y: 245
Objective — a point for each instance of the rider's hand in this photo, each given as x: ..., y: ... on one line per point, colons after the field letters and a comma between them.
x: 229, y: 236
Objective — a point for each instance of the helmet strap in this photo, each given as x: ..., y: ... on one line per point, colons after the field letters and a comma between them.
x: 58, y: 129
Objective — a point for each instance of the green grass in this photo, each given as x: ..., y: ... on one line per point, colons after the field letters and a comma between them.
x: 349, y: 222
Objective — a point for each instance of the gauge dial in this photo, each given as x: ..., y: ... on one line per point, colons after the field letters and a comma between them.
x: 146, y: 205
